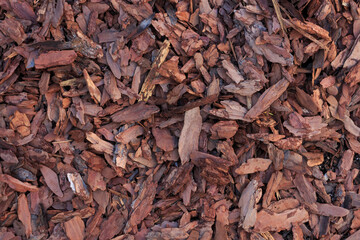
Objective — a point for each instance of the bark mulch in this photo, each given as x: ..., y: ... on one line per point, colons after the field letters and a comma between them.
x: 179, y: 119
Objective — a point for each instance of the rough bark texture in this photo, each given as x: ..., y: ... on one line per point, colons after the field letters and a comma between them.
x: 181, y: 119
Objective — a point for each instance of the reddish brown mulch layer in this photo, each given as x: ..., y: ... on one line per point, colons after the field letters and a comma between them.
x: 181, y: 119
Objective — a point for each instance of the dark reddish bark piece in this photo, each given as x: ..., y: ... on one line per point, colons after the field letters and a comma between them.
x: 24, y: 214
x: 267, y: 98
x: 266, y: 221
x: 189, y: 138
x: 55, y: 58
x: 51, y: 180
x: 111, y: 87
x: 8, y: 156
x: 331, y: 210
x: 283, y: 204
x: 248, y: 213
x: 23, y: 10
x: 271, y: 188
x: 130, y: 134
x: 253, y: 165
x: 74, y: 228
x: 224, y: 129
x: 164, y: 139
x: 16, y: 184
x: 13, y: 29
x: 346, y: 162
x: 142, y: 205
x: 305, y: 189
x: 95, y: 162
x: 135, y: 113
x: 112, y: 226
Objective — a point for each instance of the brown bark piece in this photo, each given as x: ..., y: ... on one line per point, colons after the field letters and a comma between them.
x: 232, y: 72
x: 114, y: 65
x: 24, y: 214
x: 305, y: 188
x: 44, y: 82
x: 253, y: 165
x: 283, y: 205
x: 65, y: 216
x: 306, y: 101
x: 164, y: 139
x: 346, y: 162
x: 245, y: 88
x: 329, y: 81
x: 276, y: 156
x: 265, y: 137
x: 355, y: 223
x: 170, y: 69
x: 271, y: 188
x: 176, y: 182
x: 95, y: 162
x: 331, y: 210
x: 111, y: 86
x: 130, y: 134
x: 8, y: 156
x: 189, y: 137
x: 142, y: 205
x: 23, y: 10
x: 222, y: 216
x: 20, y: 123
x: 297, y: 232
x: 75, y: 228
x: 96, y: 180
x: 78, y: 185
x: 98, y: 144
x: 83, y: 44
x: 321, y: 190
x: 353, y: 56
x: 16, y: 184
x: 267, y: 98
x: 14, y: 29
x: 312, y: 28
x: 233, y: 110
x: 51, y: 180
x: 224, y: 129
x: 267, y: 221
x: 314, y: 159
x: 248, y: 213
x: 354, y: 236
x: 352, y: 200
x: 93, y: 90
x: 135, y: 113
x: 55, y: 58
x: 112, y: 226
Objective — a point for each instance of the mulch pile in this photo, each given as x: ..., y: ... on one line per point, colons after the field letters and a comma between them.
x: 180, y: 119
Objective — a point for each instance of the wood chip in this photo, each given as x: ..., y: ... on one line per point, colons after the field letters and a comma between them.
x: 51, y: 180
x: 189, y: 137
x: 16, y: 184
x: 75, y: 228
x: 253, y: 165
x: 93, y: 90
x: 266, y: 221
x: 135, y: 113
x: 24, y: 214
x: 267, y: 98
x: 55, y: 58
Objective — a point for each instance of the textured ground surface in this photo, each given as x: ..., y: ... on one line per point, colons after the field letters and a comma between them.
x: 181, y: 119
